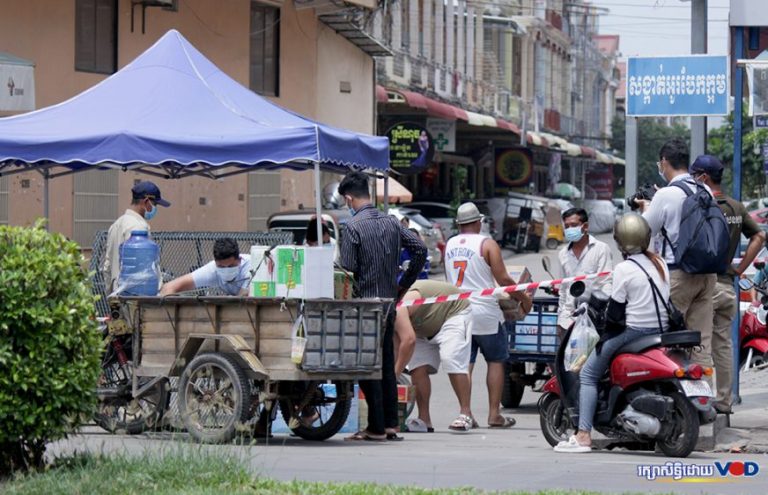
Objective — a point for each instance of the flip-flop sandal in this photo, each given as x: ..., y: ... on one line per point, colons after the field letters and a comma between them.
x: 365, y: 436
x: 508, y: 423
x: 475, y: 424
x: 462, y: 424
x: 572, y: 446
x: 394, y: 437
x: 417, y: 425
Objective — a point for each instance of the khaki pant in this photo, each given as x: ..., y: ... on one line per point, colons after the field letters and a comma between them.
x: 725, y: 308
x: 693, y: 294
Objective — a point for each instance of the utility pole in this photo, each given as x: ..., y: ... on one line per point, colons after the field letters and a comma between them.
x: 698, y: 45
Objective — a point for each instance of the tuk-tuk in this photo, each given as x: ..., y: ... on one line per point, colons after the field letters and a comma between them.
x: 555, y: 232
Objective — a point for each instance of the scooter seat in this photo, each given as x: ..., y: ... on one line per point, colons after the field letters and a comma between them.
x: 687, y: 338
x: 641, y: 344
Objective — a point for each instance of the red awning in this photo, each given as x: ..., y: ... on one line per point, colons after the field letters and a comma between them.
x: 503, y: 124
x: 381, y: 94
x: 433, y: 107
x: 588, y: 152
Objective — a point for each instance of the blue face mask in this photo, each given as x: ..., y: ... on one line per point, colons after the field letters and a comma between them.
x: 574, y: 234
x: 150, y: 214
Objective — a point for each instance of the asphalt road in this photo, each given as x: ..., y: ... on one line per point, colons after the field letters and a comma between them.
x: 514, y: 459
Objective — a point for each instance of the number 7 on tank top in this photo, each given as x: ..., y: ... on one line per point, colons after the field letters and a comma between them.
x: 461, y: 266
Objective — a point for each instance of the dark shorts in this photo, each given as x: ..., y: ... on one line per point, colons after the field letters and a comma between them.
x: 495, y: 347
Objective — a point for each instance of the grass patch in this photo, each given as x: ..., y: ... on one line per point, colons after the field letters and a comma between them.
x: 192, y: 471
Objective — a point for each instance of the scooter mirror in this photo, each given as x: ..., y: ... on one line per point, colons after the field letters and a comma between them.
x: 546, y: 263
x: 577, y: 288
x: 745, y: 284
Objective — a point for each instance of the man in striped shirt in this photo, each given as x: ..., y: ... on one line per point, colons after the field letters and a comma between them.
x: 370, y: 249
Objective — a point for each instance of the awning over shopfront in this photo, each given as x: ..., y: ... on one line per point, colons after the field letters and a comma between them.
x: 17, y: 84
x: 172, y: 113
x: 398, y: 193
x: 435, y: 108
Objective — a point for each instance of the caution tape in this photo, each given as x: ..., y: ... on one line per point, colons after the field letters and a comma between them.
x: 498, y: 290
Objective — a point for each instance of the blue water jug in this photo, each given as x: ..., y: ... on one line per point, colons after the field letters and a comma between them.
x: 139, y: 265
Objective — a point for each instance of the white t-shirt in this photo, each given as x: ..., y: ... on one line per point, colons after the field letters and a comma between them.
x: 666, y: 211
x: 466, y: 268
x: 631, y: 285
x: 208, y: 276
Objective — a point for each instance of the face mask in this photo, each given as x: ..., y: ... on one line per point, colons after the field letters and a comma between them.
x: 661, y: 174
x: 150, y: 214
x: 573, y: 234
x: 228, y: 274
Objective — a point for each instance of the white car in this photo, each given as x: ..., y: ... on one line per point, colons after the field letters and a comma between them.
x: 443, y: 214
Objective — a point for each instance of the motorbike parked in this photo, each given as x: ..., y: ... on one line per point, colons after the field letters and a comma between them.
x: 753, y: 332
x: 651, y: 393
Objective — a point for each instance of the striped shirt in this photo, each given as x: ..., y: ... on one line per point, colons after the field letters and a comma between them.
x: 370, y: 249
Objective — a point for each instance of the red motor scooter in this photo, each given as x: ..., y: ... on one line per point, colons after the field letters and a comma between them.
x: 753, y: 332
x: 651, y: 393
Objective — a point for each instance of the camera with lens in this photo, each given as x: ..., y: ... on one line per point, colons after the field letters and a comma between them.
x: 646, y: 191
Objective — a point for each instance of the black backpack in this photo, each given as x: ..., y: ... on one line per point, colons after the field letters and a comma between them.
x: 703, y: 241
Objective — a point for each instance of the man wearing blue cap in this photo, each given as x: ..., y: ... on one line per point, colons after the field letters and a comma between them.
x: 145, y: 200
x: 709, y: 170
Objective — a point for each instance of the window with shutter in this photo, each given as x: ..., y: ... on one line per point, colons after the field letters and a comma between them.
x: 265, y: 49
x: 96, y: 36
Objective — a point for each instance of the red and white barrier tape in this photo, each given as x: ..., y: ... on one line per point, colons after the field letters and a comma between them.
x: 498, y: 290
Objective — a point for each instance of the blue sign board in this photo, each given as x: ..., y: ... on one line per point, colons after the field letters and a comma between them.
x: 686, y: 85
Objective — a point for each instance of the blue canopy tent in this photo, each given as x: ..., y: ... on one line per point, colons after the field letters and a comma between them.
x: 172, y: 113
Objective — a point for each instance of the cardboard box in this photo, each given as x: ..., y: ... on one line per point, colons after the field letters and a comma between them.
x: 511, y: 308
x: 264, y: 283
x: 342, y: 285
x: 304, y: 272
x: 406, y: 394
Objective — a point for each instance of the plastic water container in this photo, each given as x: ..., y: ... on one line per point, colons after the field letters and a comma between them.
x: 139, y: 265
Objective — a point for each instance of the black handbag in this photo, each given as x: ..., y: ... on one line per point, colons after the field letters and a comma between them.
x: 676, y: 319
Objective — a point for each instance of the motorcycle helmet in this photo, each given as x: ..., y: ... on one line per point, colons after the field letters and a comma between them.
x: 632, y: 234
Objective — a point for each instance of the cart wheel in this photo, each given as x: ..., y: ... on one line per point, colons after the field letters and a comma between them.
x: 552, y: 243
x: 512, y: 393
x: 326, y: 411
x: 214, y: 398
x: 125, y: 415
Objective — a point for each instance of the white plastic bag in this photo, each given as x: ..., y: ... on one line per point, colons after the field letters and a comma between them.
x: 582, y: 341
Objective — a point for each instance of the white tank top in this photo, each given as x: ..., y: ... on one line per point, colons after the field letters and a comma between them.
x: 466, y: 268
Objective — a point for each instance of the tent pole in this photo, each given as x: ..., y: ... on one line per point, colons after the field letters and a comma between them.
x: 386, y: 192
x: 318, y: 205
x: 46, y: 178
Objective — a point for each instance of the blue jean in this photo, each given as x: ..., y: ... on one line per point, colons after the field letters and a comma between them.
x: 594, y: 369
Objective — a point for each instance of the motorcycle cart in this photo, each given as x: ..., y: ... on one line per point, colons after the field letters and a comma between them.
x: 533, y: 342
x: 232, y: 357
x: 555, y: 232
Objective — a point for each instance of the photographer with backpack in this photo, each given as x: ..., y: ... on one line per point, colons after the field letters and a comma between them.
x: 691, y: 234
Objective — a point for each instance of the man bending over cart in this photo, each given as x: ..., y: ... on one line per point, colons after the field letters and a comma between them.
x: 430, y: 335
x: 229, y: 272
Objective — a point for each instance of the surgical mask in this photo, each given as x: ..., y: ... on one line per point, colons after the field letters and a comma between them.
x: 228, y: 274
x: 150, y: 214
x: 661, y: 174
x: 574, y: 234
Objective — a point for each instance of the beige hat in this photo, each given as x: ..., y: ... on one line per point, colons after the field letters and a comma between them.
x: 468, y: 213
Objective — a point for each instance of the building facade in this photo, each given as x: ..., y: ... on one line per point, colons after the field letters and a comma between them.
x: 286, y: 50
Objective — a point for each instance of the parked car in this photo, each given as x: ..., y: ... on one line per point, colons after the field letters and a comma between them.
x: 296, y: 222
x: 443, y: 214
x: 427, y: 231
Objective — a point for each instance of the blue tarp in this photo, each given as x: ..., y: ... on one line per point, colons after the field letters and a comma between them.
x: 172, y: 109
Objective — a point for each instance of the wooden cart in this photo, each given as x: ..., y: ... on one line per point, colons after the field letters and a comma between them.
x: 232, y: 357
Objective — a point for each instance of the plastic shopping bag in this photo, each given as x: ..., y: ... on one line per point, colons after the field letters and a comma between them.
x: 582, y: 341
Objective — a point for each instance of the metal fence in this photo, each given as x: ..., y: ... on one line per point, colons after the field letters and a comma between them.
x: 181, y: 253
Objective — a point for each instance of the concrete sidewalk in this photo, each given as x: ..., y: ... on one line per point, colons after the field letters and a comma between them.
x: 748, y: 431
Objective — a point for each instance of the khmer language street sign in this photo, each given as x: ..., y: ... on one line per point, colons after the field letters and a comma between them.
x: 687, y: 85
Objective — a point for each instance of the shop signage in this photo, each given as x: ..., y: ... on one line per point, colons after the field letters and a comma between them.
x: 444, y: 133
x: 599, y: 178
x: 17, y: 87
x: 685, y: 85
x: 514, y: 168
x: 411, y: 148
